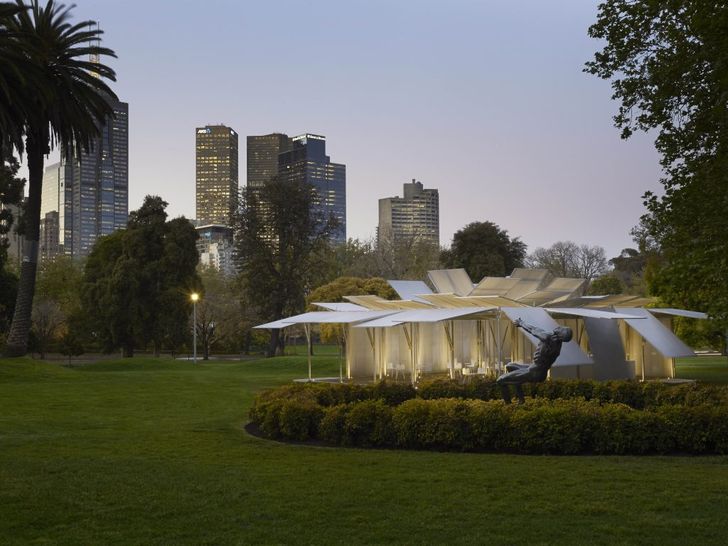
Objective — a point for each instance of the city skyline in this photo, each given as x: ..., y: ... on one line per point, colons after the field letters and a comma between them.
x: 88, y: 192
x: 488, y: 105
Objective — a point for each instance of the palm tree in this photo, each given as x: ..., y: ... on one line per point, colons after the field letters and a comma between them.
x: 12, y: 76
x: 68, y: 103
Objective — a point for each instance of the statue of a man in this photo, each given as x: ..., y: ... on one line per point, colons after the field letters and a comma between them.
x: 548, y: 350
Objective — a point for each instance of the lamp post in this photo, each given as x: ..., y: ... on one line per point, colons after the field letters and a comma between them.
x: 194, y: 297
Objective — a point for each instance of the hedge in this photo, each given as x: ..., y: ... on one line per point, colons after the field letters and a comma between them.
x: 390, y: 416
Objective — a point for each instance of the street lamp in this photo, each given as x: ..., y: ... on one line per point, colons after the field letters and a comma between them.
x: 194, y: 297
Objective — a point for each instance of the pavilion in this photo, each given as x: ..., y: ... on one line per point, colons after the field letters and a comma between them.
x: 465, y: 329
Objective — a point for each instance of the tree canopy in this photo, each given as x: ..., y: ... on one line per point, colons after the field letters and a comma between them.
x: 346, y: 286
x: 484, y: 249
x: 52, y: 95
x: 279, y: 240
x: 668, y: 63
x: 567, y: 259
x: 137, y: 281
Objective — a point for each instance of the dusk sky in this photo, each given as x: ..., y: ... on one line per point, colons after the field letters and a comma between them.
x: 484, y: 100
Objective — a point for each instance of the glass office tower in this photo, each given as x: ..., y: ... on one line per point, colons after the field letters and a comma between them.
x: 216, y: 174
x: 306, y: 160
x: 90, y: 190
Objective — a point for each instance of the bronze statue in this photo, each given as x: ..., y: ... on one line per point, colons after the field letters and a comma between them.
x: 548, y: 350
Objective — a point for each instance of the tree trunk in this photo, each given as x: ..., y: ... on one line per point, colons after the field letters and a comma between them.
x: 273, y: 345
x: 17, y: 343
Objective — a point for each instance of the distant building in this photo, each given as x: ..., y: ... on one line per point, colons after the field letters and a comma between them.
x: 49, y: 244
x: 57, y: 197
x: 306, y: 161
x: 414, y: 217
x: 263, y: 152
x: 89, y: 191
x: 16, y: 242
x: 216, y: 249
x: 216, y: 174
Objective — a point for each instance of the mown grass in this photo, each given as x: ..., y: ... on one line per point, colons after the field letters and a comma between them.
x: 709, y: 369
x: 149, y: 451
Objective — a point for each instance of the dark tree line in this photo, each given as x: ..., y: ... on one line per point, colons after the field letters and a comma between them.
x: 668, y: 64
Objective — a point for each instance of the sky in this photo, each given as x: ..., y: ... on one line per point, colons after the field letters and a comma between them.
x: 484, y: 100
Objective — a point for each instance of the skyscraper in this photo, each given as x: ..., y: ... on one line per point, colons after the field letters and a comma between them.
x: 90, y: 190
x: 414, y: 217
x: 217, y: 174
x: 263, y: 152
x: 57, y: 197
x: 306, y: 161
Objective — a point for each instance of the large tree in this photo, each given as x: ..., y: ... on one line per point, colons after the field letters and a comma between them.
x: 137, y: 281
x: 64, y: 103
x: 668, y: 63
x: 279, y: 237
x: 346, y: 286
x: 567, y: 259
x: 11, y: 193
x: 484, y: 249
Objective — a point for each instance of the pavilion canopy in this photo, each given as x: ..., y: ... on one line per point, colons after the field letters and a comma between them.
x: 327, y: 317
x: 409, y: 290
x: 582, y: 312
x: 656, y: 333
x: 679, y: 313
x: 341, y: 306
x: 423, y: 315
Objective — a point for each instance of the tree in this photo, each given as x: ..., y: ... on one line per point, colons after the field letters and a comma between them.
x: 15, y: 73
x: 346, y: 286
x: 278, y: 238
x: 567, y: 259
x: 11, y: 193
x: 137, y: 281
x: 65, y: 104
x: 605, y: 285
x: 221, y: 319
x: 483, y: 249
x: 668, y: 62
x: 47, y: 322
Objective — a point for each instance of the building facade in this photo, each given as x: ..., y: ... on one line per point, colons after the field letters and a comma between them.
x: 414, y: 217
x: 216, y: 185
x: 306, y: 161
x: 90, y: 190
x: 262, y: 154
x: 215, y: 246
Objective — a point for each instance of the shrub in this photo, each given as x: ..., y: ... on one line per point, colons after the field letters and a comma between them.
x: 331, y: 428
x: 440, y: 388
x: 368, y: 423
x: 299, y: 419
x: 560, y: 420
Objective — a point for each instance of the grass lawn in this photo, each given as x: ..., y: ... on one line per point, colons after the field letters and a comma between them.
x: 148, y: 451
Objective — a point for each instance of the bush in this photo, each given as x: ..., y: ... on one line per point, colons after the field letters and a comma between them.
x: 368, y: 423
x: 566, y: 417
x: 299, y: 419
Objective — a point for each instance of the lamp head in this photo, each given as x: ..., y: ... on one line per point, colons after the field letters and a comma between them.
x: 194, y: 297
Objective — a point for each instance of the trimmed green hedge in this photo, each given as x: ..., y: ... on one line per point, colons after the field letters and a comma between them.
x: 678, y: 419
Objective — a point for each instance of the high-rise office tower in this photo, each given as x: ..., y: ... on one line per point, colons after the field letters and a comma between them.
x: 306, y: 161
x: 90, y: 190
x: 217, y: 174
x: 57, y: 197
x: 414, y: 217
x: 215, y: 246
x: 263, y: 152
